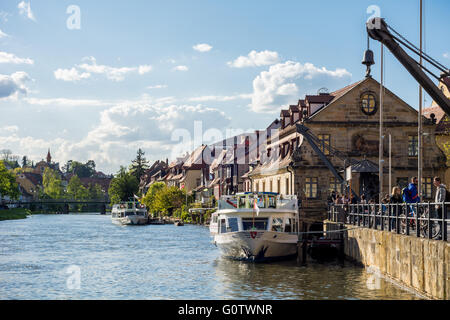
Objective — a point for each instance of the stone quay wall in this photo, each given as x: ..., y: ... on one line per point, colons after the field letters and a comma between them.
x: 420, y: 264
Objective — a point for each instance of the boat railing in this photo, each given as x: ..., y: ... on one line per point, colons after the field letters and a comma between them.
x: 264, y: 201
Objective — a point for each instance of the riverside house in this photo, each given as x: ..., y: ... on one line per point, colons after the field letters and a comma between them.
x: 347, y: 120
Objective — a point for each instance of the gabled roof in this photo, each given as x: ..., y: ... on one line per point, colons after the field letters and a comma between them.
x: 195, y: 158
x: 338, y: 94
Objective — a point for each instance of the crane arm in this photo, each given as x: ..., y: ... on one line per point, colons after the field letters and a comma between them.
x: 304, y: 131
x: 378, y: 30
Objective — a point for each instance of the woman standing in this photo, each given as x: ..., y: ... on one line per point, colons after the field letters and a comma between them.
x: 394, y: 208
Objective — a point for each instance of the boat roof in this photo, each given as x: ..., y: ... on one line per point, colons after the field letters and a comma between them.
x: 259, y: 193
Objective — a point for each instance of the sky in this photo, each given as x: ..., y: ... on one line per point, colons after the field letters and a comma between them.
x: 100, y: 79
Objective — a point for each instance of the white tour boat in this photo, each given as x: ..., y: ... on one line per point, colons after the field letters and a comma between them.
x: 265, y: 231
x: 129, y: 213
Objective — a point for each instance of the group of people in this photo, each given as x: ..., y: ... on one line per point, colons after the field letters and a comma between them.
x: 408, y: 194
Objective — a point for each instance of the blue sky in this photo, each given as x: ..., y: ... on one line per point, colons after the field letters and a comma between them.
x: 130, y: 76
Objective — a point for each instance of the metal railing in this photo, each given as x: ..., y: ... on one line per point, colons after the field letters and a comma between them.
x: 425, y: 220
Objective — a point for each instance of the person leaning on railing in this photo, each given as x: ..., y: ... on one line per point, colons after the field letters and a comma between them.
x: 441, y: 195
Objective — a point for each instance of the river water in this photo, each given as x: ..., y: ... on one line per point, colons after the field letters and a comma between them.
x: 87, y: 257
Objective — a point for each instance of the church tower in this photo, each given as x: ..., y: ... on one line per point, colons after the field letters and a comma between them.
x: 49, y: 157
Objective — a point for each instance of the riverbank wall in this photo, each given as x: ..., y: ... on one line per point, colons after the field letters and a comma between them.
x: 420, y: 264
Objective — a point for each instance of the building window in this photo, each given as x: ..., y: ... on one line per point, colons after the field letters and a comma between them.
x: 271, y: 186
x: 278, y: 186
x: 287, y: 186
x: 324, y: 140
x: 335, y: 185
x: 264, y: 187
x: 257, y: 187
x: 368, y: 104
x: 311, y: 187
x: 413, y: 146
x: 427, y: 187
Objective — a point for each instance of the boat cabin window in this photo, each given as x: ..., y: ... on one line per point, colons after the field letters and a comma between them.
x: 277, y: 224
x: 259, y: 223
x: 214, y: 219
x: 233, y: 225
x: 272, y: 202
x: 223, y: 226
x: 288, y: 225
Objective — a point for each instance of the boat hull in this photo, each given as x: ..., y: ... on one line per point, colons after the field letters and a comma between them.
x: 130, y: 220
x: 257, y: 245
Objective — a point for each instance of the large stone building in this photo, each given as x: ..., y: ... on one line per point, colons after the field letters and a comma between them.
x: 348, y: 121
x: 442, y: 120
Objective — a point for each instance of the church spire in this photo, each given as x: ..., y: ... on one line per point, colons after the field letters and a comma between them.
x: 49, y: 157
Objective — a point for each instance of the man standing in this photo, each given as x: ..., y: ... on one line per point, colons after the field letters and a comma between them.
x: 441, y: 193
x: 413, y: 193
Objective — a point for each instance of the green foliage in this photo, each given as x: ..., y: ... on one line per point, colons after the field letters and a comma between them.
x: 76, y: 190
x: 8, y: 184
x: 52, y: 184
x: 123, y: 186
x: 149, y: 198
x: 14, y: 214
x: 139, y: 165
x: 81, y: 170
x: 95, y: 192
x: 168, y: 199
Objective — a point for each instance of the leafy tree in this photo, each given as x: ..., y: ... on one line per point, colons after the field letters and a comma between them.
x: 95, y: 192
x: 8, y: 184
x: 81, y: 170
x: 52, y: 184
x: 139, y: 165
x: 76, y: 190
x: 123, y: 186
x: 150, y: 196
x: 168, y: 199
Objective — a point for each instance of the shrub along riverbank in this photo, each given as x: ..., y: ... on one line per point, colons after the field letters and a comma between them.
x: 14, y: 214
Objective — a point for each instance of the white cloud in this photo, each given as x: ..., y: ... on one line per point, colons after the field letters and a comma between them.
x: 65, y: 102
x: 11, y: 58
x: 121, y: 130
x: 158, y: 86
x: 9, y: 129
x: 255, y: 59
x: 70, y: 74
x: 221, y: 98
x: 25, y: 10
x: 446, y: 55
x: 144, y: 69
x: 85, y: 70
x: 12, y: 85
x: 180, y: 68
x: 281, y: 84
x: 202, y: 47
x: 3, y: 35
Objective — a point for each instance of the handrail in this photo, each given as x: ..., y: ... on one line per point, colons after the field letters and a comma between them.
x: 427, y: 220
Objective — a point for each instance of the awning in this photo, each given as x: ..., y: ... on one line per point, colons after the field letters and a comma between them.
x: 366, y: 166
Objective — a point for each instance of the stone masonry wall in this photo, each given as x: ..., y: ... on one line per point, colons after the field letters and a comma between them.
x: 420, y: 264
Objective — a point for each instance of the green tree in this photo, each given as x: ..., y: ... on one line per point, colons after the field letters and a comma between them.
x: 123, y: 186
x: 81, y: 170
x: 139, y: 165
x: 8, y: 184
x: 168, y: 199
x: 95, y: 192
x: 76, y: 190
x: 52, y: 184
x: 150, y: 196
